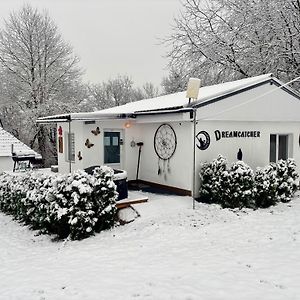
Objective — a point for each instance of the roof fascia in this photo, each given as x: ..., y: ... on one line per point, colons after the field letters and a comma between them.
x: 269, y: 80
x: 236, y: 92
x: 164, y: 112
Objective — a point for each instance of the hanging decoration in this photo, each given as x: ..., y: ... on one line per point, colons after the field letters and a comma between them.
x: 60, y: 140
x: 165, y: 143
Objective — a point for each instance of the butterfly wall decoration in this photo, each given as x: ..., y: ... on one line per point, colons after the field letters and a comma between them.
x: 88, y: 143
x: 96, y: 131
x: 79, y: 155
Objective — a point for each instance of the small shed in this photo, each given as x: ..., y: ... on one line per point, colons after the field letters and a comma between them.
x: 258, y: 115
x: 9, y: 144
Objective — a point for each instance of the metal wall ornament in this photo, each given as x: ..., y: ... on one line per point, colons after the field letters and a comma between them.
x: 165, y: 143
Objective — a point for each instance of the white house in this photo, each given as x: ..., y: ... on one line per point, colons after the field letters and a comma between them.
x: 9, y: 143
x: 258, y: 115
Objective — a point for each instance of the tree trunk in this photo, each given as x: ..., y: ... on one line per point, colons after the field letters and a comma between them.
x: 42, y: 144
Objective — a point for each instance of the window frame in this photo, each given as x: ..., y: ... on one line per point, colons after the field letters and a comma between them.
x: 288, y: 139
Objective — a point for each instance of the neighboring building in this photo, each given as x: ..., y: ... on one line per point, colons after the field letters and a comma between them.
x: 8, y: 143
x: 257, y: 115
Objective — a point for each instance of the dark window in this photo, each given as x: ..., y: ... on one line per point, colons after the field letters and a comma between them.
x: 283, y: 147
x: 278, y: 147
x: 273, y: 148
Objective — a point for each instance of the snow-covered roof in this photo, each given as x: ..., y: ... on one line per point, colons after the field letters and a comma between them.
x: 172, y: 102
x: 7, y: 139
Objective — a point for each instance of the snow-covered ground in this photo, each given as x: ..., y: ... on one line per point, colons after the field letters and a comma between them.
x: 170, y: 252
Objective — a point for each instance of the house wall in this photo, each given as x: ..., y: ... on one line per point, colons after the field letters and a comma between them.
x: 64, y: 166
x: 94, y: 155
x: 143, y: 130
x: 180, y: 164
x: 256, y: 150
x: 266, y: 103
x: 6, y: 163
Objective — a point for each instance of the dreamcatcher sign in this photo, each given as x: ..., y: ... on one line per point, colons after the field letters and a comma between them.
x: 165, y: 143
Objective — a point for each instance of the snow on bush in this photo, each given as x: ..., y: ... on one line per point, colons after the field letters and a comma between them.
x: 75, y: 205
x: 238, y: 186
x: 287, y: 179
x: 266, y: 186
x: 210, y: 178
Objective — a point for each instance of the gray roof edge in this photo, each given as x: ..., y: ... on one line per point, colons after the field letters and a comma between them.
x: 272, y: 80
x: 211, y: 99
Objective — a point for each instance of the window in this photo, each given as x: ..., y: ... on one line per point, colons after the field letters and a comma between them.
x: 279, y: 147
x: 70, y: 141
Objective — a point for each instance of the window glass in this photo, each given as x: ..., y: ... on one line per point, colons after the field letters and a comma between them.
x: 283, y: 147
x: 106, y: 141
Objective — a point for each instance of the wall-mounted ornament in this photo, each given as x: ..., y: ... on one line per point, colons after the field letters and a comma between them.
x: 60, y: 140
x: 88, y: 143
x: 165, y: 143
x: 96, y: 131
x: 79, y: 155
x: 132, y: 143
x: 202, y: 140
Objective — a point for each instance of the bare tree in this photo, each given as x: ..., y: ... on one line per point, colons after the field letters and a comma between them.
x: 149, y: 90
x: 176, y: 81
x: 118, y: 91
x: 38, y: 67
x: 219, y: 40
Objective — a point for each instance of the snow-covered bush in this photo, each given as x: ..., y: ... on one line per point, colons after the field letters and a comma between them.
x: 75, y: 205
x: 266, y: 186
x: 237, y: 186
x: 210, y: 178
x: 231, y: 187
x: 287, y: 179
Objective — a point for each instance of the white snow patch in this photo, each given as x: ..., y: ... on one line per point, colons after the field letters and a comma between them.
x: 170, y: 252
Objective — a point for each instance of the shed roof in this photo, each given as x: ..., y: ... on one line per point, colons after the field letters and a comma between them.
x: 176, y: 102
x: 7, y: 139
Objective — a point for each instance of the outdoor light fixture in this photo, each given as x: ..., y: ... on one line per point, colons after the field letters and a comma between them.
x: 127, y: 125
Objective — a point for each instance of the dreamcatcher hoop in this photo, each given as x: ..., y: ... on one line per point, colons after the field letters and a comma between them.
x: 165, y: 142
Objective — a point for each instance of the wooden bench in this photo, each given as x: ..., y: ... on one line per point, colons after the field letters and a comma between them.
x: 128, y: 202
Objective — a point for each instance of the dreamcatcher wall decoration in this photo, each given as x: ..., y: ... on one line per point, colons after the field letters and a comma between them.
x: 165, y: 143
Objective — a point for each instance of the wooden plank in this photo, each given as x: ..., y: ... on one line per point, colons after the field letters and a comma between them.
x: 127, y: 202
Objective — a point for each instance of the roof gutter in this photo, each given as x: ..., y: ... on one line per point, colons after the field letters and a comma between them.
x: 163, y: 112
x: 68, y: 118
x: 83, y: 117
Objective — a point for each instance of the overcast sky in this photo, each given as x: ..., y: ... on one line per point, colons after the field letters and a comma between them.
x: 111, y: 36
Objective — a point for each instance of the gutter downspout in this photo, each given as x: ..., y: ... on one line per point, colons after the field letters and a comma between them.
x: 194, y: 155
x: 69, y: 145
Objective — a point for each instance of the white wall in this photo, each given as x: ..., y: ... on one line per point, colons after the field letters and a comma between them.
x: 94, y: 155
x: 6, y: 163
x: 263, y: 103
x: 64, y: 166
x: 180, y: 163
x: 255, y: 150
